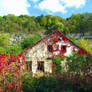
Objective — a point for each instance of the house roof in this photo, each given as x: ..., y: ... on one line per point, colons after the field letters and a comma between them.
x: 57, y: 33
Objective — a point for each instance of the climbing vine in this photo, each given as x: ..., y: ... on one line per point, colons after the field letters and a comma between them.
x: 10, y: 72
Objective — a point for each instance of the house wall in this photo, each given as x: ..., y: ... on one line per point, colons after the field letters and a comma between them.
x: 69, y: 51
x: 69, y: 48
x: 34, y: 67
x: 40, y: 53
x: 48, y: 66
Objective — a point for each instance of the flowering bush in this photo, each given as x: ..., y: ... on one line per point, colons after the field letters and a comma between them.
x: 10, y: 72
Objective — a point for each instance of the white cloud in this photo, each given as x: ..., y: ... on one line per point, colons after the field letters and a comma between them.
x: 51, y: 5
x: 16, y: 7
x: 59, y: 5
x: 74, y: 3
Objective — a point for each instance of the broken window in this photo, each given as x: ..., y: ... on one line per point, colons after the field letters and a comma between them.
x: 29, y: 66
x: 41, y: 66
x: 63, y: 48
x: 50, y: 48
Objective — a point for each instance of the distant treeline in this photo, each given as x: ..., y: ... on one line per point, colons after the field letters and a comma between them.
x: 31, y: 24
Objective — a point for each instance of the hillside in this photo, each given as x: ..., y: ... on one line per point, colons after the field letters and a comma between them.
x: 77, y: 23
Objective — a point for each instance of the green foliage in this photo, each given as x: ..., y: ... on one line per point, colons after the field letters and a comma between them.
x: 85, y: 44
x: 79, y: 68
x: 80, y: 65
x: 80, y: 23
x: 58, y: 26
x: 2, y: 50
x: 4, y: 40
x: 58, y: 61
x: 30, y: 24
x: 5, y: 48
x: 54, y: 84
x: 15, y: 49
x: 30, y: 40
x: 43, y: 21
x: 44, y: 84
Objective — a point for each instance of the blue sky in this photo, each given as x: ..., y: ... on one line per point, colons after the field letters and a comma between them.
x: 63, y: 8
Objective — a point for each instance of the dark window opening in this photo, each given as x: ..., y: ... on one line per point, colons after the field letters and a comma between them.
x: 41, y: 66
x: 50, y: 48
x: 29, y: 66
x: 59, y: 39
x: 63, y: 48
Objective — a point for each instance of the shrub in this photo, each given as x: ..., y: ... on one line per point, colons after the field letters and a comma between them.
x: 46, y: 84
x: 15, y: 49
x: 30, y: 40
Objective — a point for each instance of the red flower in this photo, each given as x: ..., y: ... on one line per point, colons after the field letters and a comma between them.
x: 18, y: 60
x: 12, y: 55
x: 1, y: 90
x: 15, y: 70
x: 10, y: 85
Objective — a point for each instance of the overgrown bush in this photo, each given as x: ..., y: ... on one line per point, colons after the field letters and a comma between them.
x: 56, y: 84
x: 46, y: 84
x: 77, y: 78
x: 80, y: 71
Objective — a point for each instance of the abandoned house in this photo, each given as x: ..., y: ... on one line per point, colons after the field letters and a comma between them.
x: 39, y: 55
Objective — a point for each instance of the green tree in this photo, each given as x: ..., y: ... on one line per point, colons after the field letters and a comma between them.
x: 42, y: 20
x: 4, y: 40
x: 2, y: 50
x: 30, y: 40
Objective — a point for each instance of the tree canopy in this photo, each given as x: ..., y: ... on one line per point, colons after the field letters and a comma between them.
x: 30, y: 24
